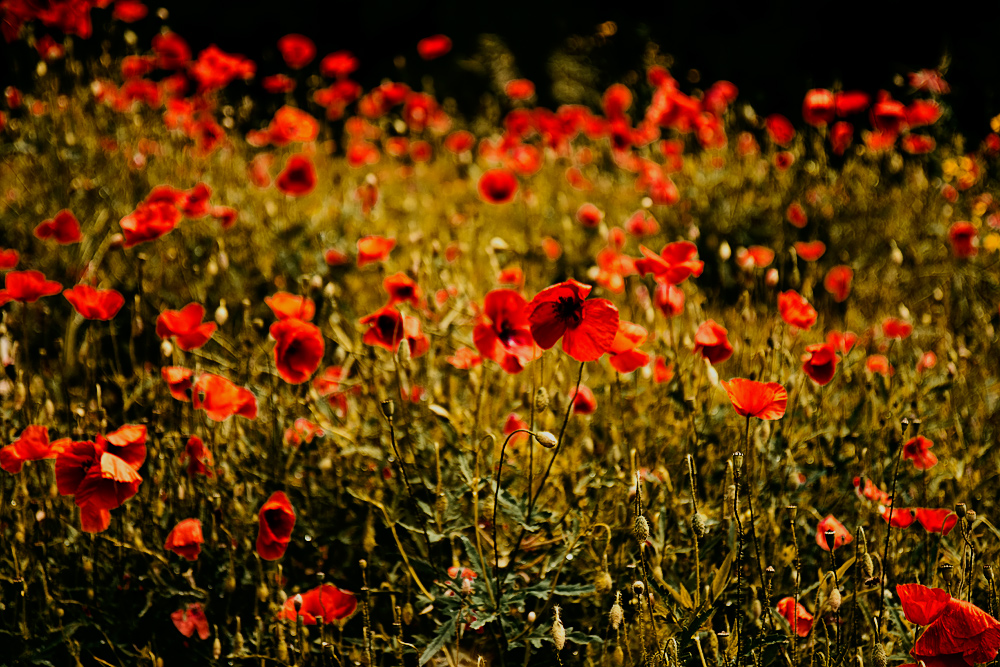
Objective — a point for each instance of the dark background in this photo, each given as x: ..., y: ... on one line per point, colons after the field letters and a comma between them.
x: 773, y: 51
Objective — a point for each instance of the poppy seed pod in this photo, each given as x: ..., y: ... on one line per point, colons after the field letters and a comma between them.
x: 737, y: 461
x: 388, y: 408
x: 831, y: 538
x: 638, y: 588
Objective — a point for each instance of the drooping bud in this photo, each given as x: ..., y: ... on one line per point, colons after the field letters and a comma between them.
x: 835, y: 599
x: 546, y: 439
x: 867, y: 566
x: 617, y: 614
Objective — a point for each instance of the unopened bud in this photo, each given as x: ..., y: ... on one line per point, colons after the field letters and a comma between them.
x: 602, y: 583
x: 867, y: 566
x: 541, y: 399
x: 698, y: 525
x: 546, y: 439
x: 641, y: 529
x: 166, y: 348
x: 835, y: 599
x: 221, y: 313
x: 879, y: 658
x: 618, y: 656
x: 531, y: 617
x: 558, y: 632
x: 617, y: 614
x: 297, y: 602
x: 862, y: 541
x: 216, y: 648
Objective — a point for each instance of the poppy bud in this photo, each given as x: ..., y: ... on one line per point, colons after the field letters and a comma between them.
x: 603, y: 583
x: 216, y: 649
x: 221, y: 314
x: 878, y: 655
x: 617, y: 613
x: 859, y: 535
x: 698, y: 525
x: 466, y: 586
x: 531, y: 617
x: 725, y: 252
x: 558, y: 632
x: 88, y: 565
x: 641, y: 530
x: 166, y: 348
x: 297, y: 602
x: 835, y: 599
x: 546, y: 439
x: 618, y: 656
x: 771, y: 277
x: 541, y: 399
x: 867, y: 566
x: 262, y: 592
x: 230, y: 584
x: 756, y: 609
x: 407, y: 613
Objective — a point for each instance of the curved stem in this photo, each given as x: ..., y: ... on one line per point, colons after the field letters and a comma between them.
x: 888, y: 534
x: 496, y: 500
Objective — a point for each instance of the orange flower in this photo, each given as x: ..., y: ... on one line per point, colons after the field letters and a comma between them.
x: 798, y: 617
x: 185, y: 539
x: 764, y: 400
x: 795, y: 310
x: 841, y: 535
x: 286, y: 306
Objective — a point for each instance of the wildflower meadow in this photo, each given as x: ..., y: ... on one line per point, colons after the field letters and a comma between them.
x: 300, y: 372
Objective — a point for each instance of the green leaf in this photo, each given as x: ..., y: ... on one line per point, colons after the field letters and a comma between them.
x: 578, y: 637
x: 721, y: 579
x: 443, y: 636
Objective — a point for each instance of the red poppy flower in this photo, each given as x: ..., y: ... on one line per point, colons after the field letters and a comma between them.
x: 795, y: 310
x: 277, y: 84
x: 185, y: 539
x: 285, y: 306
x: 878, y: 363
x: 172, y: 52
x: 185, y: 326
x: 902, y: 517
x: 894, y: 328
x: 820, y: 362
x: 589, y: 215
x: 927, y: 361
x: 613, y: 267
x: 417, y: 341
x: 661, y: 371
x: 193, y: 203
x: 551, y: 248
x: 503, y: 332
x: 796, y: 215
x: 49, y: 49
x: 784, y: 160
x: 587, y: 327
x: 198, y: 456
x: 191, y: 620
x: 325, y: 601
x: 373, y: 249
x: 512, y: 275
x: 514, y: 423
x: 94, y: 519
x: 963, y: 240
x: 669, y: 299
x: 95, y: 477
x: 221, y: 399
x: 402, y: 288
x: 32, y: 445
x: 780, y: 129
x: 298, y: 349
x: 642, y: 223
x: 818, y: 107
x: 676, y: 262
x: 625, y: 357
x: 850, y: 102
x: 958, y: 633
x: 918, y: 144
x: 798, y: 617
x: 842, y: 342
x: 385, y: 328
x: 838, y: 282
x: 8, y: 259
x: 63, y: 229
x: 298, y: 177
x: 764, y: 400
x: 129, y: 11
x: 810, y: 251
x: 95, y: 304
x: 27, y: 287
x: 274, y: 532
x: 433, y: 47
x: 302, y: 431
x: 338, y: 64
x: 127, y: 443
x: 464, y: 359
x: 498, y: 186
x: 922, y: 112
x: 216, y: 69
x: 936, y: 520
x: 519, y: 89
x: 178, y: 381
x: 754, y: 257
x: 841, y: 136
x: 712, y: 342
x: 584, y: 402
x: 841, y: 535
x: 327, y: 385
x: 296, y: 50
x: 460, y: 141
x: 148, y: 222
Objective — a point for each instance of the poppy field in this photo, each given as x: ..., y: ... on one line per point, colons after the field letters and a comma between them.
x: 297, y: 372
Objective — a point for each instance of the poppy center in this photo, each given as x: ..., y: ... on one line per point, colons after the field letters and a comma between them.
x: 570, y: 310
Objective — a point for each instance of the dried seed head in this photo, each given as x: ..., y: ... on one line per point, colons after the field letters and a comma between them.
x: 988, y: 572
x: 558, y: 632
x: 960, y: 509
x: 793, y: 511
x: 388, y: 408
x: 737, y: 461
x: 638, y: 588
x: 617, y: 613
x: 546, y: 439
x: 831, y: 539
x: 698, y: 524
x: 970, y: 515
x: 541, y: 399
x: 879, y: 658
x: 835, y: 599
x: 641, y: 529
x: 947, y: 571
x: 859, y: 535
x: 867, y: 566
